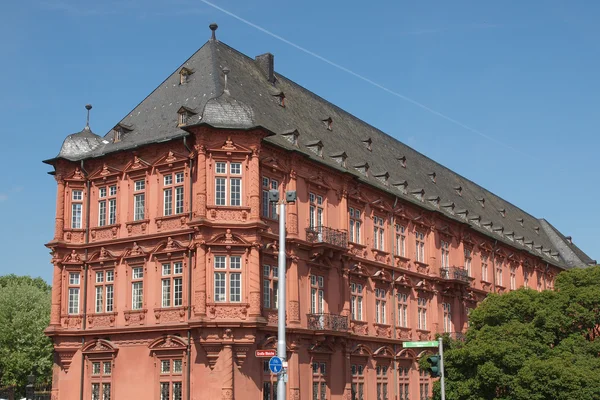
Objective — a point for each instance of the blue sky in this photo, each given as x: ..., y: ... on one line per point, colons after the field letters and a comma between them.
x: 524, y: 74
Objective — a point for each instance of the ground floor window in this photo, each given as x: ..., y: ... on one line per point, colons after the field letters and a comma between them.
x: 269, y: 389
x: 404, y: 382
x: 423, y: 385
x: 358, y: 382
x: 319, y: 382
x: 170, y: 391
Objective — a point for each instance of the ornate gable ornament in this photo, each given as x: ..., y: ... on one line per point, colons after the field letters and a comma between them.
x: 106, y: 173
x: 72, y: 258
x: 381, y: 205
x: 356, y: 194
x: 99, y: 347
x: 382, y: 275
x: 467, y: 239
x: 76, y: 176
x: 102, y: 257
x: 404, y: 281
x: 407, y: 354
x: 228, y: 147
x: 321, y: 347
x: 384, y: 352
x: 360, y: 350
x: 135, y: 253
x: 485, y: 246
x: 169, y: 343
x: 228, y: 240
x: 170, y: 160
x: 359, y: 270
x: 275, y: 164
x: 137, y: 165
x: 424, y: 286
x: 318, y: 181
x: 168, y: 248
x: 447, y: 231
x: 400, y: 212
x: 423, y: 221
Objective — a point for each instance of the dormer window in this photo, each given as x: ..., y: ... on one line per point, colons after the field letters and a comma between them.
x: 510, y: 236
x: 464, y: 214
x: 476, y: 220
x: 184, y: 75
x: 281, y: 98
x: 555, y: 256
x: 368, y: 142
x: 502, y: 212
x: 520, y: 221
x: 519, y: 239
x: 488, y: 225
x: 537, y: 230
x: 401, y: 186
x: 328, y: 123
x: 498, y: 230
x: 119, y: 131
x: 458, y: 190
x: 184, y: 115
x: 449, y: 207
x: 402, y: 161
x: 316, y: 147
x: 432, y: 176
x: 363, y: 168
x: 481, y: 201
x: 340, y: 158
x: 418, y: 193
x: 292, y: 136
x: 529, y: 244
x: 435, y: 201
x: 382, y: 177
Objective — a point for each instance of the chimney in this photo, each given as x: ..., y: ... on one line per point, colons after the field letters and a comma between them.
x: 266, y: 64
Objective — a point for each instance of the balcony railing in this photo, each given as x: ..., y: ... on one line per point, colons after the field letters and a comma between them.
x: 455, y: 273
x: 328, y: 322
x: 325, y: 234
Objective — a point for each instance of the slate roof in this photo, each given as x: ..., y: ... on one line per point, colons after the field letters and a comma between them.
x: 251, y: 100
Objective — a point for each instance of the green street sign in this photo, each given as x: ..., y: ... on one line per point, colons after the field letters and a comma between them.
x: 432, y: 343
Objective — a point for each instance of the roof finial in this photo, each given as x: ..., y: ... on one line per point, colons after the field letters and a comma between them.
x: 226, y: 72
x: 88, y: 107
x: 213, y: 27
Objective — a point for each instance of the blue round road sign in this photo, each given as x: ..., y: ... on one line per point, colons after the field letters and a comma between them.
x: 275, y: 365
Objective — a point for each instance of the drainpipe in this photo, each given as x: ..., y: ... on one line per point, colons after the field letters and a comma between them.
x: 85, y: 272
x: 189, y: 285
x: 189, y: 367
x: 494, y: 266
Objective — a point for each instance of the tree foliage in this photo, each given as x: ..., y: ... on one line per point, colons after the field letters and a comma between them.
x: 24, y: 314
x: 529, y: 345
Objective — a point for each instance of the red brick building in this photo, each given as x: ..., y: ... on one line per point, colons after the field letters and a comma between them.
x: 165, y: 248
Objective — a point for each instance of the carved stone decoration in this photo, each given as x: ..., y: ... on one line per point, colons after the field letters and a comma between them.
x: 294, y: 394
x: 227, y: 311
x: 347, y: 394
x: 101, y: 320
x: 293, y: 311
x: 360, y: 327
x: 135, y: 317
x: 383, y: 331
x: 423, y: 335
x: 65, y: 357
x: 240, y: 355
x: 166, y: 315
x: 72, y: 321
x: 404, y: 333
x: 272, y: 317
x: 200, y: 302
x: 99, y: 234
x: 212, y: 354
x: 255, y: 303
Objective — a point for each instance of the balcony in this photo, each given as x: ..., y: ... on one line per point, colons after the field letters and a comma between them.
x: 325, y: 234
x: 328, y: 322
x: 455, y: 274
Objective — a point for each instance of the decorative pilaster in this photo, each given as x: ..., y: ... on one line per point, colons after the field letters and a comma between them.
x: 254, y: 188
x: 254, y: 281
x: 292, y: 208
x: 56, y: 295
x: 60, y: 209
x: 200, y: 281
x: 293, y: 311
x: 227, y: 388
x: 200, y: 186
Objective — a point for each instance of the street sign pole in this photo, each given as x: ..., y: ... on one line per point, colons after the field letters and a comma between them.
x: 442, y: 382
x: 281, y: 342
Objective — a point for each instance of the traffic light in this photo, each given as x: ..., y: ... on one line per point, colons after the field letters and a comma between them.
x: 434, y: 365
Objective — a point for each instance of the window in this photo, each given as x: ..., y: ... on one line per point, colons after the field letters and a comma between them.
x: 228, y: 183
x: 445, y: 246
x: 356, y: 301
x: 358, y: 382
x: 468, y: 260
x: 172, y: 284
x: 171, y: 376
x: 270, y: 286
x: 101, y: 380
x: 107, y: 205
x: 269, y: 210
x: 484, y: 268
x: 139, y: 200
x: 137, y: 288
x: 499, y: 269
x: 317, y: 294
x: 378, y: 233
x: 423, y: 385
x: 403, y: 310
x: 105, y: 291
x: 420, y: 247
x: 228, y: 269
x: 526, y: 279
x: 76, y: 208
x: 539, y: 282
x: 448, y: 327
x: 382, y: 382
x: 74, y: 280
x: 422, y: 313
x: 315, y: 211
x: 173, y: 186
x: 269, y: 383
x: 319, y: 381
x: 404, y: 382
x: 400, y: 249
x: 380, y: 306
x: 355, y: 224
x: 513, y: 278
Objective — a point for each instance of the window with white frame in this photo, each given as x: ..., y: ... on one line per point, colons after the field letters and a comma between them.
x: 499, y: 273
x: 421, y: 313
x: 381, y: 373
x: 137, y: 288
x: 228, y: 183
x: 270, y: 286
x: 420, y: 246
x: 355, y: 224
x: 380, y: 306
x: 423, y: 385
x: 447, y: 308
x: 74, y: 291
x: 316, y: 211
x: 172, y: 284
x: 484, y: 268
x: 445, y: 248
x: 400, y: 248
x: 107, y: 205
x: 403, y: 310
x: 319, y: 381
x: 404, y: 382
x: 356, y: 301
x: 105, y: 291
x: 317, y: 294
x: 139, y: 200
x: 526, y: 279
x: 539, y: 281
x: 513, y: 278
x: 173, y: 194
x: 269, y: 210
x: 358, y: 382
x: 171, y: 377
x: 228, y: 272
x: 76, y: 208
x: 378, y: 233
x: 468, y: 261
x: 101, y: 378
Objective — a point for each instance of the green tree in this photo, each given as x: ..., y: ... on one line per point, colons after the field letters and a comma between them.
x: 529, y: 345
x: 24, y: 314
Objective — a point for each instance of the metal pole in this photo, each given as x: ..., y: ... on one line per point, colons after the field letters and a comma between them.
x: 281, y: 343
x: 442, y: 383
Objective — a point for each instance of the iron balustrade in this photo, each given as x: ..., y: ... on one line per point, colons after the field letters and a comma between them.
x: 328, y: 322
x: 325, y: 234
x: 455, y: 273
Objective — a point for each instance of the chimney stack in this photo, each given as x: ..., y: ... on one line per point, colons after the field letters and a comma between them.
x: 266, y: 64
